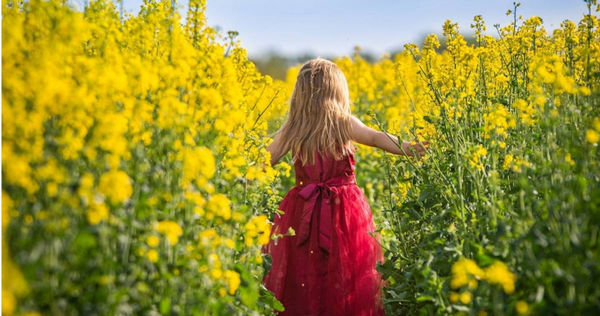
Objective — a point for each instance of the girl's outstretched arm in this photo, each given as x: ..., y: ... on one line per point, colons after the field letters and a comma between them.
x: 275, y: 149
x: 365, y: 135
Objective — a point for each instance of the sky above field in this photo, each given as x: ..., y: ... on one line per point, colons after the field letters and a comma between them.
x: 334, y: 27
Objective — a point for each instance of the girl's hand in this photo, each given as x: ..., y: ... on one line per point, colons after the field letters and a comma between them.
x: 419, y: 149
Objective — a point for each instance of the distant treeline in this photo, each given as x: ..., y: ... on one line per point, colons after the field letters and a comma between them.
x: 275, y: 64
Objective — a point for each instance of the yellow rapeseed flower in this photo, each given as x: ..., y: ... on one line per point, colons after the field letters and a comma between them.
x: 229, y: 243
x: 152, y: 255
x: 258, y: 227
x: 522, y: 307
x: 596, y: 124
x: 498, y: 122
x: 498, y: 273
x: 218, y: 204
x: 216, y: 273
x: 198, y: 162
x: 170, y: 229
x: 152, y: 241
x: 8, y: 302
x: 97, y: 211
x: 569, y: 160
x: 515, y: 164
x: 115, y: 185
x: 233, y: 280
x: 453, y: 297
x: 209, y: 238
x: 466, y: 297
x: 592, y: 136
x: 476, y: 157
x: 463, y: 271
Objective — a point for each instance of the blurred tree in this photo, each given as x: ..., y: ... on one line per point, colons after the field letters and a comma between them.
x: 276, y: 64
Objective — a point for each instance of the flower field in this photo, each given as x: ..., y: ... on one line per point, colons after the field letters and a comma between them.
x: 136, y: 178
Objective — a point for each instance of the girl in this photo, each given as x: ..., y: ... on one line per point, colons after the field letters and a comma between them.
x: 326, y: 263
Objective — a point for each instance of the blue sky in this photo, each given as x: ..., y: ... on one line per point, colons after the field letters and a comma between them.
x: 334, y: 27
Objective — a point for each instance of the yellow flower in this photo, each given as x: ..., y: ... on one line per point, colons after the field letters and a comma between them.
x: 216, y: 273
x: 516, y: 164
x: 152, y: 255
x: 209, y: 238
x: 237, y: 216
x: 229, y: 243
x: 463, y: 271
x: 286, y: 168
x: 473, y: 284
x: 475, y: 157
x: 152, y: 241
x: 233, y: 280
x: 465, y: 297
x: 584, y: 90
x: 214, y: 261
x: 218, y: 204
x: 526, y: 112
x: 258, y: 227
x: 498, y: 121
x: 498, y: 273
x: 592, y: 136
x: 569, y: 160
x: 8, y: 302
x: 97, y: 212
x: 522, y: 307
x: 453, y: 297
x: 596, y: 124
x: 170, y: 229
x: 198, y: 162
x: 115, y: 185
x: 452, y: 228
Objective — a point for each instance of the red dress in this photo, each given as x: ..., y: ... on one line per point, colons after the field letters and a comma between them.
x: 329, y: 266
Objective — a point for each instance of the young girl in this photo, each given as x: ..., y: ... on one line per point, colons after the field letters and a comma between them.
x: 328, y: 267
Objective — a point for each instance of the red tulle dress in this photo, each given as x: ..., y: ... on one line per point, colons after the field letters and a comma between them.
x: 329, y: 266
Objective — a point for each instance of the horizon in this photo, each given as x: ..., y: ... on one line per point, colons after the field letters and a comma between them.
x: 375, y: 27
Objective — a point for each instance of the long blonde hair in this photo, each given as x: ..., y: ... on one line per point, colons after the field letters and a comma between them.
x: 319, y: 115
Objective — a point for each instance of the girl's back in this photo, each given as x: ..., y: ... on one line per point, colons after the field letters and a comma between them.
x: 329, y: 266
x: 324, y: 168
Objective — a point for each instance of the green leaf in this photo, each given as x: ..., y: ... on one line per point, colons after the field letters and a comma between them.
x: 425, y: 298
x: 84, y: 241
x: 277, y: 305
x: 249, y: 296
x: 165, y: 306
x: 484, y: 260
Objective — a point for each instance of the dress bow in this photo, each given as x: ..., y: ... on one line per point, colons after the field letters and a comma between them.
x: 312, y: 193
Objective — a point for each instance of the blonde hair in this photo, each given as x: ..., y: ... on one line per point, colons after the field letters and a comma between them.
x: 319, y: 115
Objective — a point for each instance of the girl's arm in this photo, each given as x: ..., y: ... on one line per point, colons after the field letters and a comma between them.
x: 275, y: 149
x: 365, y: 135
